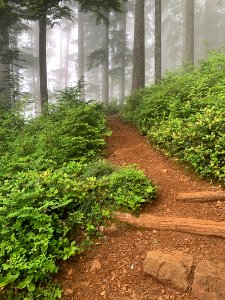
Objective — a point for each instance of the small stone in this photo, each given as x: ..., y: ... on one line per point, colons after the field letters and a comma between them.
x: 103, y: 293
x: 164, y: 171
x: 68, y: 292
x: 70, y: 272
x: 95, y: 265
x: 154, y: 231
x: 101, y: 228
x: 111, y: 229
x: 163, y: 291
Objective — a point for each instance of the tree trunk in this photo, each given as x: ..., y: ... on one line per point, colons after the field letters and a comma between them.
x: 138, y: 76
x: 123, y: 59
x: 61, y: 73
x: 68, y: 30
x: 189, y: 32
x: 81, y: 50
x: 210, y: 24
x: 105, y: 65
x: 4, y: 64
x: 195, y: 226
x: 158, y: 67
x: 43, y: 63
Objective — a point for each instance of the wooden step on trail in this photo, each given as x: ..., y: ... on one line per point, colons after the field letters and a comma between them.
x: 207, y: 196
x: 188, y: 225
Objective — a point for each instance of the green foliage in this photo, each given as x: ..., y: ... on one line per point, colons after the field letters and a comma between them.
x: 184, y: 115
x: 41, y: 212
x: 112, y: 108
x: 130, y: 189
x: 72, y: 131
x: 11, y: 123
x: 97, y: 169
x: 54, y: 193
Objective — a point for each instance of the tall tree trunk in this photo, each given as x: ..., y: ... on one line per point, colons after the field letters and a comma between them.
x: 36, y: 70
x: 4, y: 64
x: 43, y: 63
x: 189, y: 32
x: 158, y: 49
x: 123, y: 59
x: 61, y: 73
x: 105, y: 65
x: 68, y: 30
x: 138, y: 76
x: 210, y: 24
x: 81, y: 50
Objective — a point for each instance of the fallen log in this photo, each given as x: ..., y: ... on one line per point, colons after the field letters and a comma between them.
x: 188, y: 225
x: 201, y: 196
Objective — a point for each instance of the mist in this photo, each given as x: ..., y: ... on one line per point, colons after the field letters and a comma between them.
x: 100, y: 53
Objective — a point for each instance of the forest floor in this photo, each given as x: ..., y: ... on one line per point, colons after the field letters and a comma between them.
x: 113, y: 268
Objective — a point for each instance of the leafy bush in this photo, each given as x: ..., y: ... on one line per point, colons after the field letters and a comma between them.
x: 184, y: 115
x: 97, y: 169
x: 41, y: 212
x: 54, y: 193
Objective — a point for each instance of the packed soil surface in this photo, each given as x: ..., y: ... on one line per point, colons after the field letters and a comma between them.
x: 112, y: 269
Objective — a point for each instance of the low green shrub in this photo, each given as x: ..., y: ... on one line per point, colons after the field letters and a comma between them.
x: 50, y: 215
x: 184, y: 115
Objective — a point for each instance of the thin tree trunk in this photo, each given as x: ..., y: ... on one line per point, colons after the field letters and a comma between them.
x: 36, y: 70
x: 105, y: 65
x: 81, y: 51
x: 210, y: 25
x: 189, y: 32
x: 43, y: 63
x: 138, y: 76
x: 61, y: 75
x: 4, y: 64
x: 123, y: 59
x: 158, y: 61
x: 67, y: 55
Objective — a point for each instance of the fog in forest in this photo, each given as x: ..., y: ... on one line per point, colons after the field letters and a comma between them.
x: 101, y: 55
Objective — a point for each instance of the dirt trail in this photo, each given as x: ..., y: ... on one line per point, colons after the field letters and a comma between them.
x: 113, y: 268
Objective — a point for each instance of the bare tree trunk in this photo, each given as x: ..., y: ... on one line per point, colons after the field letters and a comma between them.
x: 138, y: 76
x: 189, y: 32
x: 158, y: 49
x: 105, y: 65
x: 123, y: 59
x: 81, y: 50
x: 68, y: 30
x: 43, y: 63
x: 37, y: 96
x: 61, y: 75
x: 4, y: 64
x: 210, y: 25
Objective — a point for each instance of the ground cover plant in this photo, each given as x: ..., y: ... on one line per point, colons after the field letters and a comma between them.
x: 184, y: 115
x: 55, y: 191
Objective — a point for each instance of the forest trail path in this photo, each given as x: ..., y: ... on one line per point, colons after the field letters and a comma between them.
x: 112, y: 270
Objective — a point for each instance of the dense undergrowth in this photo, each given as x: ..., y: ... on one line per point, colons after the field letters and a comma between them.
x: 184, y: 115
x: 55, y: 192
